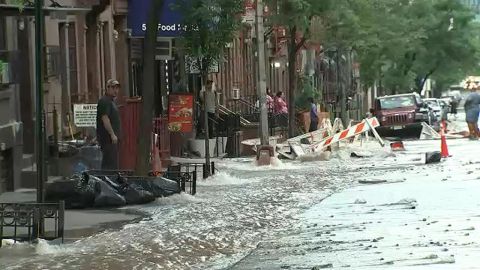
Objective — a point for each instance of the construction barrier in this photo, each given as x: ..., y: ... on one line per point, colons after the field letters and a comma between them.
x: 364, y: 126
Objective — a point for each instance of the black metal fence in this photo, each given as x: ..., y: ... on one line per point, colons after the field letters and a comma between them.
x: 29, y: 221
x: 246, y: 106
x: 187, y: 175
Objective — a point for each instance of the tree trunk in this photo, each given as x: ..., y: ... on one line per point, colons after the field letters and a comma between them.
x: 145, y: 130
x: 292, y: 81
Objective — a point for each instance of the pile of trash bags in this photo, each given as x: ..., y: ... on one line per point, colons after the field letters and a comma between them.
x: 89, y: 191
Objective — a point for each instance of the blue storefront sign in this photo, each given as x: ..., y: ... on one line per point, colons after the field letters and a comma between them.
x: 170, y: 23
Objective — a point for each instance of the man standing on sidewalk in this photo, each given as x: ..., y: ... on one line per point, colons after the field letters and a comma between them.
x: 209, y: 98
x: 108, y: 126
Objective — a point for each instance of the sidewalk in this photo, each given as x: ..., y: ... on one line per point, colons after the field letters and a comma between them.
x: 84, y: 222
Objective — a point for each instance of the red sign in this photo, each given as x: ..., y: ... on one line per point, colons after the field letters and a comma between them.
x: 180, y: 113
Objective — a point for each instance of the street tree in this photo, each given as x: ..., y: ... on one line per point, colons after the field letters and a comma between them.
x: 400, y: 44
x: 209, y: 25
x: 299, y: 18
x: 148, y: 93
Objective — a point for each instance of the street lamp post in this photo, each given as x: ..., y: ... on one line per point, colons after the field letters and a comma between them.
x: 39, y: 118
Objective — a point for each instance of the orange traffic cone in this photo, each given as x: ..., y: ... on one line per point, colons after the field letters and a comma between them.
x: 156, y: 162
x: 444, y: 147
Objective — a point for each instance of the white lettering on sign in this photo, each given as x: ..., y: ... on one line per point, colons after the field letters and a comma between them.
x: 166, y: 28
x: 169, y: 27
x: 85, y: 115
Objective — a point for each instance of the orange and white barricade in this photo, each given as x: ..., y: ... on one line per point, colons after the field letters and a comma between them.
x: 364, y: 126
x: 337, y: 126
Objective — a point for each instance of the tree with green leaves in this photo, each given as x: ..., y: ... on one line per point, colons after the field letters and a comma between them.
x: 402, y: 43
x: 209, y: 25
x: 299, y: 17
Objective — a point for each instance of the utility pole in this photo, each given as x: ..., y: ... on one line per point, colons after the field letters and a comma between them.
x: 39, y: 118
x: 265, y: 151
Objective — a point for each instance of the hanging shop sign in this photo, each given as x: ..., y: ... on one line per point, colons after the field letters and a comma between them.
x: 180, y: 113
x: 170, y: 24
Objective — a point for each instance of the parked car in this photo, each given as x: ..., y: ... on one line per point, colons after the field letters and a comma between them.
x: 436, y: 106
x: 446, y: 109
x: 402, y: 115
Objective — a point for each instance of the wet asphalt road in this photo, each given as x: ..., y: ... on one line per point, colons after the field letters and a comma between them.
x: 285, y: 217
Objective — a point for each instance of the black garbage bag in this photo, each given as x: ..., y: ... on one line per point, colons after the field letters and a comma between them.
x: 114, y: 184
x: 133, y: 193
x: 107, y: 196
x: 78, y: 192
x: 158, y: 186
x: 137, y: 195
x: 167, y: 185
x: 433, y: 157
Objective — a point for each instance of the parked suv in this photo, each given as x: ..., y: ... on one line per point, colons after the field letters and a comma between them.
x: 402, y: 114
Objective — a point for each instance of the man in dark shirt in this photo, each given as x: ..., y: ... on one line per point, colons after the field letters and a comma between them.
x: 108, y: 126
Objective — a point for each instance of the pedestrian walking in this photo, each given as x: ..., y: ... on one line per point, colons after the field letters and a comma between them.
x: 472, y: 111
x: 313, y: 115
x: 280, y: 109
x: 208, y: 96
x: 108, y: 126
x: 269, y: 101
x: 453, y: 108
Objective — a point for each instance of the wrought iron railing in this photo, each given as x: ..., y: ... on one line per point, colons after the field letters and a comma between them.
x: 246, y: 106
x: 187, y: 173
x: 30, y: 221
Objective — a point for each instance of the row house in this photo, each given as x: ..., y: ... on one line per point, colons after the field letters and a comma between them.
x: 85, y: 44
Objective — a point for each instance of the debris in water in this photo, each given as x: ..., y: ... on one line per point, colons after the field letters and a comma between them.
x: 372, y: 181
x: 360, y: 201
x: 431, y: 257
x: 323, y: 266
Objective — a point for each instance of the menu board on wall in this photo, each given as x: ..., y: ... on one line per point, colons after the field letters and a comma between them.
x: 180, y: 113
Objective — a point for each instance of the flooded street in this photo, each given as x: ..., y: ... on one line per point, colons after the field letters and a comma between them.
x: 426, y: 218
x: 246, y: 217
x: 231, y: 213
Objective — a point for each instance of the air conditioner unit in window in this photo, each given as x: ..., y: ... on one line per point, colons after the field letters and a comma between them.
x: 236, y: 93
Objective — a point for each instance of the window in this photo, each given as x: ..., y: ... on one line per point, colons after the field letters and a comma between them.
x: 68, y: 56
x: 397, y: 102
x: 52, y: 61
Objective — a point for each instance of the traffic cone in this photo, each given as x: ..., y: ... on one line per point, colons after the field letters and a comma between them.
x: 156, y: 162
x: 444, y: 147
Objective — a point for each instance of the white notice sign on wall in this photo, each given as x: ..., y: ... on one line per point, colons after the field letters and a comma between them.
x: 85, y: 115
